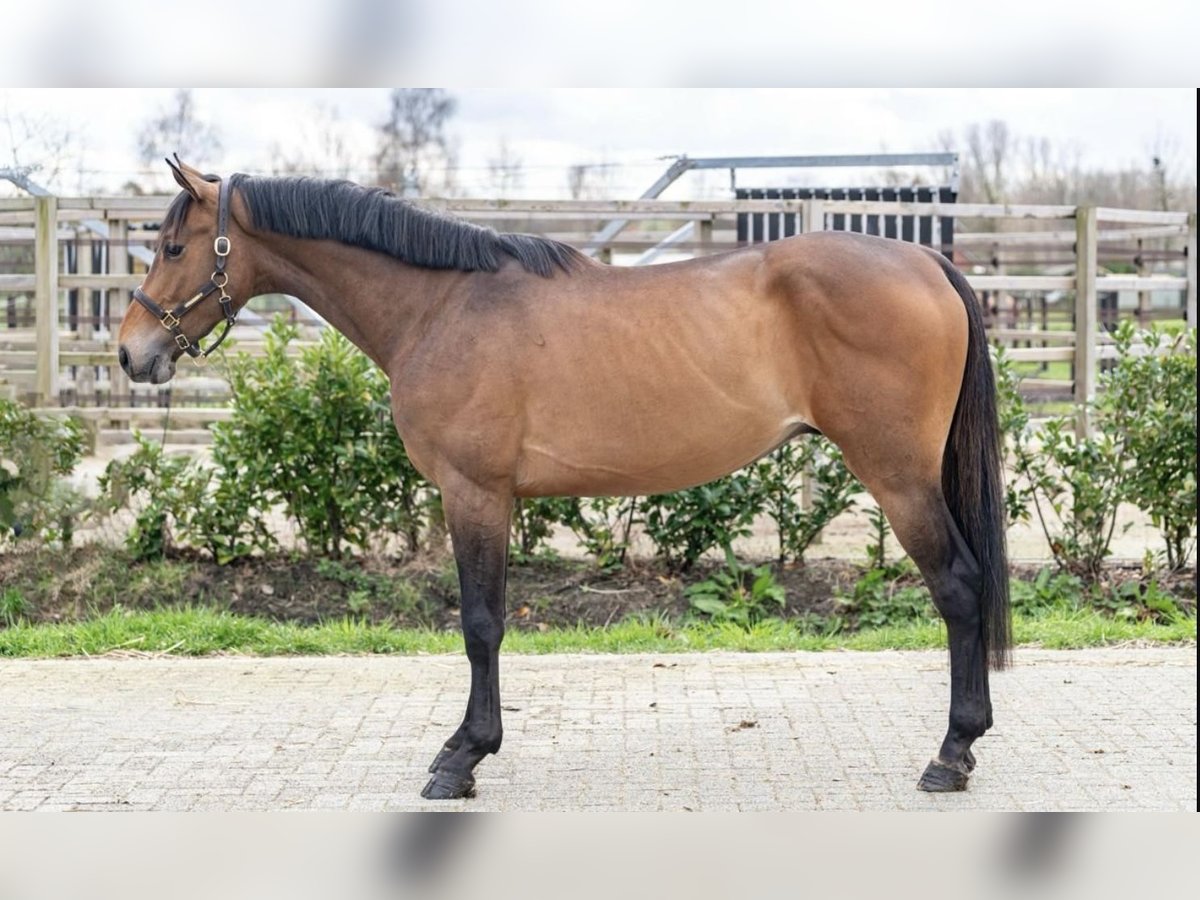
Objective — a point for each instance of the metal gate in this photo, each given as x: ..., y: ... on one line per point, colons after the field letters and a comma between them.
x: 936, y: 232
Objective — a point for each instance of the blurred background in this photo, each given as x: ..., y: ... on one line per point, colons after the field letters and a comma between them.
x: 1128, y: 148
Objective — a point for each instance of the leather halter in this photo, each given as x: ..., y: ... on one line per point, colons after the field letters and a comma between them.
x: 170, y: 319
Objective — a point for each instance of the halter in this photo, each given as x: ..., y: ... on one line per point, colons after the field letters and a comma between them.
x: 170, y: 320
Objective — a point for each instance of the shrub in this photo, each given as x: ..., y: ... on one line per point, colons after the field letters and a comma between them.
x: 1074, y: 486
x: 36, y: 454
x: 738, y: 593
x: 314, y: 433
x: 779, y: 477
x: 686, y: 524
x: 603, y: 526
x: 180, y: 500
x: 1142, y: 450
x: 881, y: 598
x: 533, y: 522
x: 1151, y: 397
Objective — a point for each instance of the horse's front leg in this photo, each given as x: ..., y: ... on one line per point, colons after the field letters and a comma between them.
x: 478, y: 521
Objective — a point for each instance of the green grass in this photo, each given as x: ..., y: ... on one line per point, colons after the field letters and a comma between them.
x: 199, y: 631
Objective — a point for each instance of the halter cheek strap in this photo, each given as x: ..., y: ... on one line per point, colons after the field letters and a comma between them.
x: 171, y: 319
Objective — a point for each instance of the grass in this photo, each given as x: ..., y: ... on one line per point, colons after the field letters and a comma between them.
x: 198, y: 631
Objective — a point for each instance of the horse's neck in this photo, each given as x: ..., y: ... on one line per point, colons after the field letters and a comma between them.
x: 372, y: 299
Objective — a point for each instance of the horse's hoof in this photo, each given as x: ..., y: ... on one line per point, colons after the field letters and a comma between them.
x: 940, y: 778
x: 443, y: 755
x: 446, y: 785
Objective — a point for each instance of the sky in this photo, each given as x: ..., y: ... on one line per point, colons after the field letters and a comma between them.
x: 631, y: 130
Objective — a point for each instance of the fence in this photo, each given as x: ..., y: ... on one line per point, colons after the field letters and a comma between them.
x: 1047, y: 275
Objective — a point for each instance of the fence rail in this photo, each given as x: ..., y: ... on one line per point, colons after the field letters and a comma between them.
x: 1052, y: 279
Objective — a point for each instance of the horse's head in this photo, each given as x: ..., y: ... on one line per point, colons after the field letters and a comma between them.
x: 192, y: 283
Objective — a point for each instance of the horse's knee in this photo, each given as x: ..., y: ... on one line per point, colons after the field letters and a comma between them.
x: 482, y: 632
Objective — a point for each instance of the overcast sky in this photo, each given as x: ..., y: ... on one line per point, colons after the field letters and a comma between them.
x: 552, y: 129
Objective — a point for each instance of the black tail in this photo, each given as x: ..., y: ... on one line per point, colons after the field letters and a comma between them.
x: 973, y: 476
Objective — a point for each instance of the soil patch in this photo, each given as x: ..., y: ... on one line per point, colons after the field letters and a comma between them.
x: 42, y: 585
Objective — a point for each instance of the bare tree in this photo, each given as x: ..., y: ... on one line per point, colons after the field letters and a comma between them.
x: 415, y: 154
x: 590, y: 181
x: 506, y: 169
x: 176, y: 128
x: 322, y: 147
x: 989, y: 157
x: 39, y: 147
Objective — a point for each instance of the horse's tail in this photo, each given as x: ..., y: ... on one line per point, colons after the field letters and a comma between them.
x: 972, y: 476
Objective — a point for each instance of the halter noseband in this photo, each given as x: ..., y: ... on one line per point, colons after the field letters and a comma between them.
x: 170, y: 320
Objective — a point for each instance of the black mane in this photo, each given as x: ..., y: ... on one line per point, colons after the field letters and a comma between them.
x: 376, y: 219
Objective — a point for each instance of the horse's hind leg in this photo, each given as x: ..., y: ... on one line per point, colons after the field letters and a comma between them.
x: 925, y: 528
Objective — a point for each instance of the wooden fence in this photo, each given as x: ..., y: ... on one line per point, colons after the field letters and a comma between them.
x: 1051, y: 278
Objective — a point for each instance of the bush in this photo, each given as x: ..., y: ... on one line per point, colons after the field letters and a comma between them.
x: 884, y: 596
x: 779, y: 477
x: 740, y: 594
x: 603, y: 526
x: 1152, y: 398
x: 1142, y: 451
x: 179, y: 500
x: 314, y: 433
x: 686, y: 524
x: 533, y: 522
x: 36, y: 454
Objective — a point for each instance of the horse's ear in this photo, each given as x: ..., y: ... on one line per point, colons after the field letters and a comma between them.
x: 188, y: 170
x: 183, y: 179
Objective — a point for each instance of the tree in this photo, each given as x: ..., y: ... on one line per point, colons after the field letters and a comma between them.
x: 590, y: 181
x: 39, y: 147
x: 506, y: 169
x: 322, y: 147
x: 176, y: 128
x: 415, y: 155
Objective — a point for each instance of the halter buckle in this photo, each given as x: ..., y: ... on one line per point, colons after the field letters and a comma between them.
x: 221, y: 241
x: 182, y: 341
x: 169, y: 321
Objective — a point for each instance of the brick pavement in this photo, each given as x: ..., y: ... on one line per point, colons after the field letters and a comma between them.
x: 1089, y: 729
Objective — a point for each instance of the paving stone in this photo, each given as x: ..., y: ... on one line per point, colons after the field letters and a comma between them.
x: 1075, y: 730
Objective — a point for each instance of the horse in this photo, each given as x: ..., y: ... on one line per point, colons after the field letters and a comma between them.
x: 519, y: 367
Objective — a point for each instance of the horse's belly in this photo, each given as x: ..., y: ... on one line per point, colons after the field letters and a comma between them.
x: 628, y: 451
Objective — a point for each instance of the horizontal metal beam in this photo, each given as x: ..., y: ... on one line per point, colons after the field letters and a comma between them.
x: 842, y: 160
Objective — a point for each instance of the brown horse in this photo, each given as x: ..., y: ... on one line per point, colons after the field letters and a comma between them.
x: 520, y: 368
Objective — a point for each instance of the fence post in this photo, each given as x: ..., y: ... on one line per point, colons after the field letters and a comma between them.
x: 1086, y: 310
x: 45, y: 256
x: 812, y: 216
x: 117, y: 300
x: 1191, y: 271
x: 704, y: 236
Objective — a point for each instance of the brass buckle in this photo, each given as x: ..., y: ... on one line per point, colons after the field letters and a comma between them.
x: 169, y: 321
x: 221, y: 241
x: 182, y: 341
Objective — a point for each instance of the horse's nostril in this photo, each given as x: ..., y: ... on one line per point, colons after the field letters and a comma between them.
x: 123, y: 359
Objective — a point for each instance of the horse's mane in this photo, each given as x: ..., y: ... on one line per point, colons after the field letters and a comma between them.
x: 376, y: 219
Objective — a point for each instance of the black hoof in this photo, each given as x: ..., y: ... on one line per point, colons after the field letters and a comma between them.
x: 940, y: 778
x: 446, y: 785
x: 443, y: 755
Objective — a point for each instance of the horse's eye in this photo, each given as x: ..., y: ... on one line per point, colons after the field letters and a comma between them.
x: 173, y: 251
